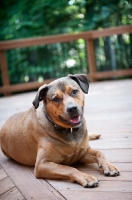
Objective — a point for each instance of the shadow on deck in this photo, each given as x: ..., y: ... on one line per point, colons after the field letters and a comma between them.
x: 108, y: 110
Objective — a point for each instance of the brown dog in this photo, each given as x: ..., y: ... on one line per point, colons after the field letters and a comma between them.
x: 52, y: 135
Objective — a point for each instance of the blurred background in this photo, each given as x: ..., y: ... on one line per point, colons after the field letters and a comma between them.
x: 26, y: 18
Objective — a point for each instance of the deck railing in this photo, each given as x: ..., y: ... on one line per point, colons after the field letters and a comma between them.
x: 88, y: 36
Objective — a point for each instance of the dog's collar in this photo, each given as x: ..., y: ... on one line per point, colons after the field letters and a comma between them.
x: 60, y: 128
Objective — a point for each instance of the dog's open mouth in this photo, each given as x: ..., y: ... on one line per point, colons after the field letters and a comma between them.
x: 73, y: 121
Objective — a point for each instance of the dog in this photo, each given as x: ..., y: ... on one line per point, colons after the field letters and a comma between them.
x: 52, y: 135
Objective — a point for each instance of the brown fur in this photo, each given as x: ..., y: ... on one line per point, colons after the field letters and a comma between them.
x: 30, y: 137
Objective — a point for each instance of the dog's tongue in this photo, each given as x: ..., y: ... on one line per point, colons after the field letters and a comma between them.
x: 75, y: 120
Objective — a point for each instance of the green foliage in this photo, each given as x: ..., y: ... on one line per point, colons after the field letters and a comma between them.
x: 26, y: 18
x: 21, y: 19
x: 46, y: 61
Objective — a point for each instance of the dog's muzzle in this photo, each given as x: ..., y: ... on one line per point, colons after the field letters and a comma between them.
x: 74, y: 116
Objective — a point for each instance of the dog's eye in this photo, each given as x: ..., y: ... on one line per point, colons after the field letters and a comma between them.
x: 74, y: 92
x: 55, y: 99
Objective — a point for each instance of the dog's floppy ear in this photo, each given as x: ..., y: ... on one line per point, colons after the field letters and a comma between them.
x: 40, y: 95
x: 82, y: 81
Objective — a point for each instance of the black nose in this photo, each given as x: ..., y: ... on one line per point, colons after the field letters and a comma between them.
x: 72, y: 109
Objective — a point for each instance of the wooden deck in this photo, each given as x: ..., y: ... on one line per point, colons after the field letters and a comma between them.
x: 108, y: 110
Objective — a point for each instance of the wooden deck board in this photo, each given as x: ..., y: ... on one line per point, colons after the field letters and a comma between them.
x: 108, y: 110
x: 23, y: 177
x: 2, y: 174
x: 6, y: 184
x: 92, y: 195
x: 8, y: 191
x: 12, y: 194
x: 105, y: 186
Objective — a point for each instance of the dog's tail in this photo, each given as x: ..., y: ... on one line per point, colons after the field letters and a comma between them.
x: 94, y: 136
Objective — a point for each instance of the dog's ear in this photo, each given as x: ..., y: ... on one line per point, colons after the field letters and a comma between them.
x: 40, y: 95
x: 82, y: 81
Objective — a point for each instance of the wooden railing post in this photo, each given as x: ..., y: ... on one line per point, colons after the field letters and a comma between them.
x: 88, y: 36
x: 4, y: 70
x: 91, y: 58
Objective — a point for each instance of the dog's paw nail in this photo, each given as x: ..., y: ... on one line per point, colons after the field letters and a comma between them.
x: 96, y: 184
x: 91, y: 185
x: 86, y: 185
x: 112, y: 174
x: 107, y: 173
x: 118, y: 173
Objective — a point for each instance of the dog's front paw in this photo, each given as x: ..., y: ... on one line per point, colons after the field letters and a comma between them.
x: 109, y: 169
x: 87, y: 181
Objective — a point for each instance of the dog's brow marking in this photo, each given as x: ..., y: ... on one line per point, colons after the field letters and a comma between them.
x: 62, y: 86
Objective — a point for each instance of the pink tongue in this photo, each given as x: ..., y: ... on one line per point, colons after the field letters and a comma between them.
x: 75, y: 120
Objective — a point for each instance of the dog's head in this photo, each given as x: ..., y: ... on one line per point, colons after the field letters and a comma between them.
x: 64, y: 100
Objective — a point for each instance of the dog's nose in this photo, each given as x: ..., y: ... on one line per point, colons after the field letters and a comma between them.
x: 72, y: 109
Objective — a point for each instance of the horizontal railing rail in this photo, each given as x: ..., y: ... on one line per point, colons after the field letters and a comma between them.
x: 88, y: 36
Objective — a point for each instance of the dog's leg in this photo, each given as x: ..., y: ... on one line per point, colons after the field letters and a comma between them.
x: 50, y: 170
x: 93, y: 136
x: 94, y: 156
